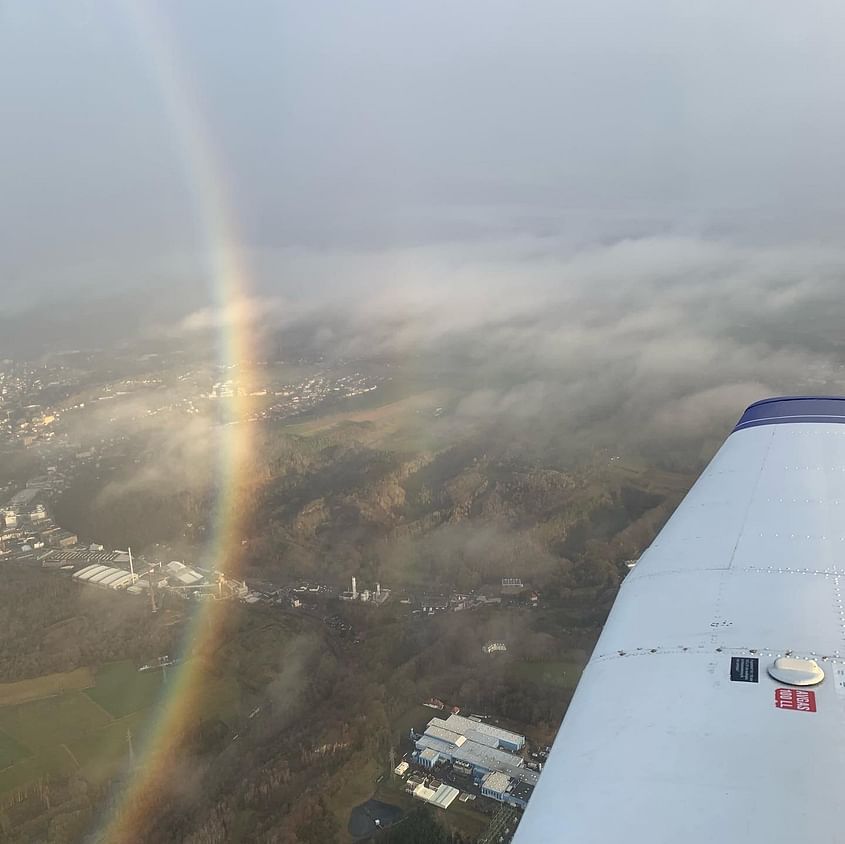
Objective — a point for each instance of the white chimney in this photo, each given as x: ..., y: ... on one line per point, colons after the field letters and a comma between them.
x: 354, y: 589
x: 378, y: 589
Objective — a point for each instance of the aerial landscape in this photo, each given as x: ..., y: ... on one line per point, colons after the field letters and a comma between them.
x: 327, y: 439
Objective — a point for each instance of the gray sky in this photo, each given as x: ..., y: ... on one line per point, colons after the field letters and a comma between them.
x: 369, y: 125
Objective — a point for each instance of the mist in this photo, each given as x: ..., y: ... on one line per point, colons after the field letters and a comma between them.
x: 380, y: 126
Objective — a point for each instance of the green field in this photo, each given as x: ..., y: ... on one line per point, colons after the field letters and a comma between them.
x: 10, y: 751
x: 561, y: 674
x: 48, y: 684
x: 86, y: 731
x: 55, y: 760
x: 121, y: 689
x: 45, y: 723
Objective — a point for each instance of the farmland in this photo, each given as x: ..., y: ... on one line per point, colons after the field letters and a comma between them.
x: 83, y: 730
x: 48, y: 684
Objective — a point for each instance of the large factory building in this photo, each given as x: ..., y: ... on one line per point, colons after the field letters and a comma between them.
x: 105, y: 576
x: 487, y: 749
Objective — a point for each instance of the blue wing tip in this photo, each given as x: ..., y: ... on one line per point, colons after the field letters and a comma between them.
x: 780, y: 410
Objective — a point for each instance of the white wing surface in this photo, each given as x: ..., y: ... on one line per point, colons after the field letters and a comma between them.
x: 677, y: 732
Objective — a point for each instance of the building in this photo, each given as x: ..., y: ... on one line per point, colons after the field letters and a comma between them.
x: 519, y: 794
x: 463, y: 769
x: 434, y: 603
x: 494, y: 647
x: 485, y: 733
x: 66, y: 539
x: 428, y: 757
x: 81, y: 557
x: 183, y: 575
x: 499, y: 786
x: 480, y: 747
x: 441, y: 797
x: 105, y: 576
x: 59, y: 537
x: 495, y: 785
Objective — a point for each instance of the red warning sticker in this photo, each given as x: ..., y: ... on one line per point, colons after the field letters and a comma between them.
x: 801, y: 699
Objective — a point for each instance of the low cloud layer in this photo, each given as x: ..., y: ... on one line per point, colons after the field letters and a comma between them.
x: 666, y: 335
x: 649, y: 343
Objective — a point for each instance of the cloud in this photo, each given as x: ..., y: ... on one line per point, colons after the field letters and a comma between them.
x: 240, y: 313
x: 547, y: 348
x: 629, y: 339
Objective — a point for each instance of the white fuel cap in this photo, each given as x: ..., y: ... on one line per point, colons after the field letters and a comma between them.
x: 796, y: 672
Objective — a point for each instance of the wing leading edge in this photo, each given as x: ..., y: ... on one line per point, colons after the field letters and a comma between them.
x: 676, y: 732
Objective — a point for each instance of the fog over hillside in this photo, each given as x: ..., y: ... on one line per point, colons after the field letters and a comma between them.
x: 642, y: 340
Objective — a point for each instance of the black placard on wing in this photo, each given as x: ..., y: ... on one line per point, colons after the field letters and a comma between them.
x: 745, y: 669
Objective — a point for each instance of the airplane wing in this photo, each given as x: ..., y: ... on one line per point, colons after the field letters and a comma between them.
x: 677, y: 732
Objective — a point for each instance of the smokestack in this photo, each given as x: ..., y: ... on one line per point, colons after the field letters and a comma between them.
x: 131, y: 567
x: 152, y: 594
x: 378, y: 589
x: 354, y: 589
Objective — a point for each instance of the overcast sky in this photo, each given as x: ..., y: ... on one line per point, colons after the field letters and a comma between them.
x: 365, y: 125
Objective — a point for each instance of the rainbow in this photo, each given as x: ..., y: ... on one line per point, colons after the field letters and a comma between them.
x: 228, y: 271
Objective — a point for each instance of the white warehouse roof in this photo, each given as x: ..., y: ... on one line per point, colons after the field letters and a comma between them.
x: 442, y: 798
x: 466, y: 725
x: 106, y: 576
x: 443, y: 734
x: 102, y: 577
x: 89, y: 571
x: 184, y: 574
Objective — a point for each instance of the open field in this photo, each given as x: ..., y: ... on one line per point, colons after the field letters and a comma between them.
x: 55, y: 760
x: 10, y: 751
x: 351, y: 791
x: 122, y: 690
x: 388, y: 417
x: 86, y: 730
x: 45, y: 723
x: 100, y: 753
x: 41, y: 687
x: 561, y: 674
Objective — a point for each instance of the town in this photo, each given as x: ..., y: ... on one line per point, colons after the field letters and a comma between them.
x: 35, y: 399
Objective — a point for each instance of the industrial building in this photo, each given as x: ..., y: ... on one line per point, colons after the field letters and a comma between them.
x: 482, y: 732
x: 442, y: 797
x: 105, y: 576
x: 499, y: 786
x: 434, y: 603
x: 59, y: 537
x: 84, y: 557
x: 495, y: 785
x: 183, y: 575
x: 377, y: 596
x: 487, y: 749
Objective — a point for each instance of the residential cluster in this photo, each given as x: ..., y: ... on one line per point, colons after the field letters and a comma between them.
x: 29, y: 396
x: 26, y: 526
x: 294, y: 399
